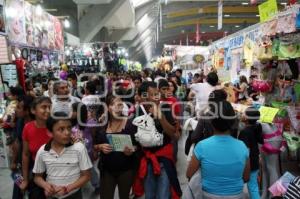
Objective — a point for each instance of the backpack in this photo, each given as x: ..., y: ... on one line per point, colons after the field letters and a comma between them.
x: 147, y: 134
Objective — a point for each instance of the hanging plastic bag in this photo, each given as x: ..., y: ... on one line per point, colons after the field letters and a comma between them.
x: 293, y: 141
x: 298, y: 21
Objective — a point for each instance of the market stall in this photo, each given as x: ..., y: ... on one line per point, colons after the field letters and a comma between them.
x: 268, y: 55
x: 189, y: 58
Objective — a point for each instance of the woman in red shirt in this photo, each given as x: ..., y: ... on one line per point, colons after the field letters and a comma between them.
x: 35, y: 134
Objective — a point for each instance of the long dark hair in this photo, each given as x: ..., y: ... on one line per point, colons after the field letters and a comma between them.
x: 109, y: 101
x: 175, y: 87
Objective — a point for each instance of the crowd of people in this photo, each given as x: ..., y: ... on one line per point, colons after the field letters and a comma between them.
x: 56, y: 135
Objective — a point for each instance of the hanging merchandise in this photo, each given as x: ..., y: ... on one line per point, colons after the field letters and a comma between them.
x: 267, y: 10
x: 248, y: 52
x: 283, y: 70
x: 262, y: 85
x: 294, y: 115
x: 25, y: 53
x: 270, y: 28
x: 287, y: 51
x: 293, y: 141
x: 33, y: 29
x: 16, y: 24
x: 218, y: 58
x: 286, y: 23
x: 298, y: 21
x: 264, y: 50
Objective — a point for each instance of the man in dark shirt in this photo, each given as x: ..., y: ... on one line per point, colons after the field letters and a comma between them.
x: 252, y: 136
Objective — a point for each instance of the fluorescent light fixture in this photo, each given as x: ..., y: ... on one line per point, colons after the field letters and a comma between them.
x: 39, y: 10
x: 283, y: 3
x: 67, y: 23
x: 237, y: 26
x: 126, y: 55
x: 211, y: 26
x: 258, y: 15
x: 203, y: 32
x: 245, y: 3
x: 67, y: 52
x: 227, y: 15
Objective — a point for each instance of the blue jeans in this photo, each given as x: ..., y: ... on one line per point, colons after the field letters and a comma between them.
x: 95, y: 178
x: 157, y: 187
x: 253, y: 185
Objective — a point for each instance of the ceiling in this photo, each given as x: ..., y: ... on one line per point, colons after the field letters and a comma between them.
x: 135, y: 24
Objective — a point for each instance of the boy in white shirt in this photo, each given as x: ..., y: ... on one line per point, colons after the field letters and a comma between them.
x: 66, y: 165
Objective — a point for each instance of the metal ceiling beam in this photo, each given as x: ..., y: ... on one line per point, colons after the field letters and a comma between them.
x: 139, y: 13
x: 213, y: 9
x: 95, y: 19
x: 211, y: 22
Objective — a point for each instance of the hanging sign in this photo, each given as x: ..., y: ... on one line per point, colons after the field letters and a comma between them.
x: 4, y: 55
x: 220, y: 14
x: 267, y: 10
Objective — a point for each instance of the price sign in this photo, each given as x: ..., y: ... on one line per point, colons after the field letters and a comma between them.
x: 267, y: 10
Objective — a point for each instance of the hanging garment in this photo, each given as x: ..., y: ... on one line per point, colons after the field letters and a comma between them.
x: 286, y: 24
x: 293, y: 141
x: 283, y: 70
x: 288, y: 51
x: 264, y: 50
x: 248, y: 52
x: 269, y: 28
x: 294, y: 115
x: 267, y: 147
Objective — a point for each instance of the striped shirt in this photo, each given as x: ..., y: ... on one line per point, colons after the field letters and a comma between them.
x: 65, y: 168
x: 63, y: 106
x: 293, y: 191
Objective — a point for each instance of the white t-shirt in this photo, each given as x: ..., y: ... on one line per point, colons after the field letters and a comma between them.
x: 91, y: 100
x: 202, y: 91
x: 147, y: 79
x: 63, y: 106
x: 65, y: 168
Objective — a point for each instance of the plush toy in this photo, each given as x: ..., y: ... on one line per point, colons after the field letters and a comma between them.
x: 64, y: 72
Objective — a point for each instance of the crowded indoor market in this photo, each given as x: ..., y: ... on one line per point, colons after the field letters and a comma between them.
x: 150, y: 99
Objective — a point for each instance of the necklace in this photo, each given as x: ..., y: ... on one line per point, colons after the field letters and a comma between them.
x: 117, y: 127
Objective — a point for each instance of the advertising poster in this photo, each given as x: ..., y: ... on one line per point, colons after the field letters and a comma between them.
x: 59, y: 40
x: 26, y: 25
x: 16, y: 21
x: 51, y: 32
x: 44, y: 33
x: 2, y: 17
x: 28, y: 9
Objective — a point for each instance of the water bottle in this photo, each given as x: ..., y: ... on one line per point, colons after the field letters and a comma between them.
x: 17, y: 178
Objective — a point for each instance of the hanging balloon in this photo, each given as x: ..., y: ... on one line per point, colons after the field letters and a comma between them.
x: 253, y: 2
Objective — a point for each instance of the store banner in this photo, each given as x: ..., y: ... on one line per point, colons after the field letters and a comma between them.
x: 189, y: 56
x: 220, y: 14
x: 267, y: 10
